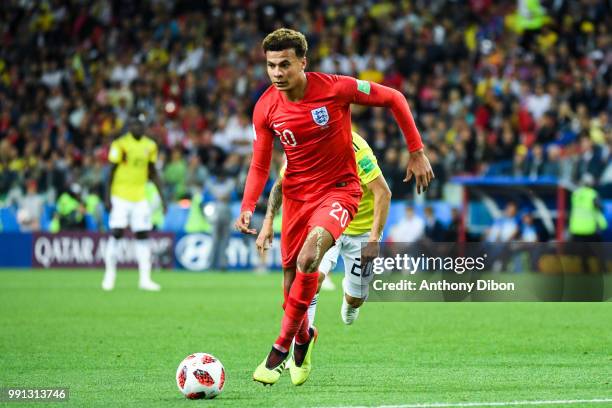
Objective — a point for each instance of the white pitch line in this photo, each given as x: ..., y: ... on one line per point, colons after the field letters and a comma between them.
x: 486, y: 404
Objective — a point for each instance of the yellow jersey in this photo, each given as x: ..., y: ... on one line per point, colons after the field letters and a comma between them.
x: 132, y: 157
x: 368, y: 171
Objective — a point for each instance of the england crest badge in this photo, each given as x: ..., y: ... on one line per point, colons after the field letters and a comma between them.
x: 320, y: 116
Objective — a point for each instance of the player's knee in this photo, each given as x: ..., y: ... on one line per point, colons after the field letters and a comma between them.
x: 142, y: 235
x: 117, y: 233
x: 307, y: 261
x: 354, y: 302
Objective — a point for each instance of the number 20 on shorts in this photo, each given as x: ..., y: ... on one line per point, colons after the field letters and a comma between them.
x: 339, y: 213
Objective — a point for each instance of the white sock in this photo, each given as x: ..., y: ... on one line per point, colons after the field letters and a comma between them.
x: 312, y: 309
x: 110, y: 260
x: 143, y: 256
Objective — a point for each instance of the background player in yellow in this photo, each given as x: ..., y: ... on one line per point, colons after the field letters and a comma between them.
x: 133, y: 157
x: 366, y: 227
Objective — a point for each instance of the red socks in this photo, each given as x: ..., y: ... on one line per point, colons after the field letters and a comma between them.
x: 303, y: 289
x: 303, y: 334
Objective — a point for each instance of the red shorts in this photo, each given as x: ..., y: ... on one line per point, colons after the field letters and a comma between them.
x: 333, y: 211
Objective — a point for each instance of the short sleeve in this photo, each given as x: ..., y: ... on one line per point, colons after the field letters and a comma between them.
x: 115, y: 153
x: 367, y: 165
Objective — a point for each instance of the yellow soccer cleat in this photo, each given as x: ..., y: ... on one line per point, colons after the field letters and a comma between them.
x: 268, y: 376
x: 300, y: 374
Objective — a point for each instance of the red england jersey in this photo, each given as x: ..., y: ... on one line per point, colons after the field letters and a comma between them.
x: 316, y: 135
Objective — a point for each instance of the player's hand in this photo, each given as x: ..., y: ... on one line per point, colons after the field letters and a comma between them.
x: 368, y: 253
x: 419, y: 166
x: 264, y: 239
x: 243, y: 221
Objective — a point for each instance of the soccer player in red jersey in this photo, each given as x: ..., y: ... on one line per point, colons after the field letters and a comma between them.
x: 310, y: 113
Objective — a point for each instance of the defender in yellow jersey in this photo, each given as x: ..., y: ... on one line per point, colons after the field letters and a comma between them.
x: 366, y: 227
x: 132, y: 157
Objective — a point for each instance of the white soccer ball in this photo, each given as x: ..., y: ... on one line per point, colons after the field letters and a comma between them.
x: 200, y: 376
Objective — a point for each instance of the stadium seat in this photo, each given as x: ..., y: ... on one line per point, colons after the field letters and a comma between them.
x: 8, y: 219
x: 503, y: 168
x: 479, y: 217
x: 176, y: 218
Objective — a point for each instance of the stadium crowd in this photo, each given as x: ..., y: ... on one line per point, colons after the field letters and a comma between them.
x: 502, y: 88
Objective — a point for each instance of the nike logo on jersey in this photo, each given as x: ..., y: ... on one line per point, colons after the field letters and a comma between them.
x: 278, y: 124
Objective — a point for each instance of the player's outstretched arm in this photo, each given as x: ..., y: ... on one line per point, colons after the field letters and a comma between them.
x: 382, y: 202
x: 264, y: 239
x: 373, y: 94
x: 154, y: 177
x: 258, y: 171
x: 107, y: 194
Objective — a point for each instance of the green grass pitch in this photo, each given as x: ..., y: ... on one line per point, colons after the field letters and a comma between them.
x: 58, y: 329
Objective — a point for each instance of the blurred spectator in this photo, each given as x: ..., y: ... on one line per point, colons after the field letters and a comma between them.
x: 409, y: 229
x: 221, y: 188
x: 551, y: 167
x: 93, y: 175
x: 535, y: 164
x: 434, y: 230
x: 196, y: 176
x: 124, y: 71
x: 452, y: 231
x: 504, y: 228
x: 529, y: 232
x: 586, y: 219
x: 539, y: 102
x: 70, y: 210
x: 590, y: 160
x: 239, y: 133
x: 175, y: 175
x: 30, y: 208
x: 587, y: 224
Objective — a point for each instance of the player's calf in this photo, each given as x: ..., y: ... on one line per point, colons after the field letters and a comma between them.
x: 143, y: 257
x: 110, y: 259
x: 288, y: 278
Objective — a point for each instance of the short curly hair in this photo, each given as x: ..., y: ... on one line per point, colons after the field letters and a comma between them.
x: 286, y: 38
